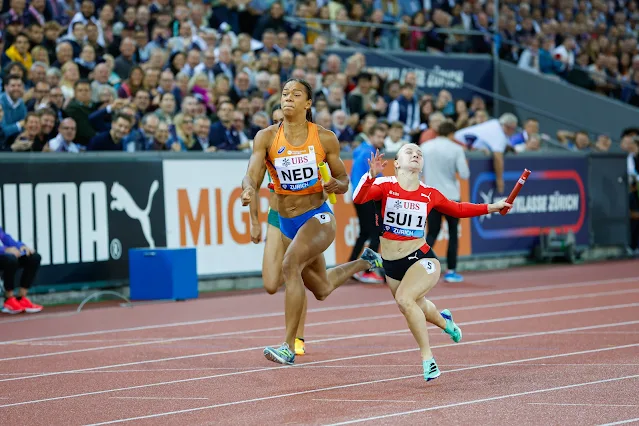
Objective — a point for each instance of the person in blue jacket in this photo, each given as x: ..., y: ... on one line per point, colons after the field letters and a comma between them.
x: 366, y: 212
x: 13, y: 256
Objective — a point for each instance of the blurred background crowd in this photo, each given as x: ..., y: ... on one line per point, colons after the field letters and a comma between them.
x: 204, y: 75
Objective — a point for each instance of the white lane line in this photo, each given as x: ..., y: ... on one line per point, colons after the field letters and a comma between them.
x: 199, y: 337
x: 338, y: 360
x: 350, y: 385
x: 40, y: 316
x: 582, y: 405
x: 479, y: 401
x: 156, y: 397
x: 350, y: 366
x: 363, y: 400
x: 243, y: 332
x: 358, y: 336
x: 335, y: 308
x: 622, y: 422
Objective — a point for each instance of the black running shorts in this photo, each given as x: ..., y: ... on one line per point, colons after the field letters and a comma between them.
x: 396, y: 269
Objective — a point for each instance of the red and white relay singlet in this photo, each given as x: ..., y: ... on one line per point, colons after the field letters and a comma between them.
x: 404, y: 212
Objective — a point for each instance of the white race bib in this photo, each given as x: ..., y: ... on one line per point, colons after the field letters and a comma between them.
x: 297, y: 172
x: 404, y: 217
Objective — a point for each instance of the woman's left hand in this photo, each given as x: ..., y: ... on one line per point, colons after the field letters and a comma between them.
x: 495, y: 207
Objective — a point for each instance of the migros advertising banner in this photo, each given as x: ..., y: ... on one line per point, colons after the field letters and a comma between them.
x: 203, y: 210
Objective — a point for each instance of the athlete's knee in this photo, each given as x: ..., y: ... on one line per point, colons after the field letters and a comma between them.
x: 321, y: 293
x: 291, y: 267
x: 404, y: 303
x: 271, y: 287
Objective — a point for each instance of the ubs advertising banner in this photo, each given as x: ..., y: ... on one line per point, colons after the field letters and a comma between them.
x: 553, y: 197
x: 434, y: 72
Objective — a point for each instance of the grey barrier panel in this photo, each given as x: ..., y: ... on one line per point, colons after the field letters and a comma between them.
x: 587, y: 110
x: 608, y: 200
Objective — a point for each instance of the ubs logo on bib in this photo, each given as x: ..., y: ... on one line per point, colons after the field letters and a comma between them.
x: 404, y: 217
x: 297, y: 172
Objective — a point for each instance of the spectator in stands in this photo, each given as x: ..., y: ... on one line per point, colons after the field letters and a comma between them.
x: 443, y: 160
x: 112, y: 140
x: 79, y: 108
x: 202, y: 135
x: 29, y: 139
x: 345, y: 133
x: 434, y: 120
x: 48, y: 127
x: 18, y: 52
x: 533, y: 143
x: 363, y: 99
x: 577, y: 141
x: 40, y: 91
x: 394, y: 140
x: 406, y: 110
x: 12, y: 105
x: 603, y: 143
x: 16, y: 255
x: 531, y: 127
x: 141, y: 138
x: 64, y: 141
x: 161, y: 139
x: 224, y: 136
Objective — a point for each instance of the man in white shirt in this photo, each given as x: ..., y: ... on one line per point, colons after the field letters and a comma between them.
x: 443, y: 160
x: 64, y: 141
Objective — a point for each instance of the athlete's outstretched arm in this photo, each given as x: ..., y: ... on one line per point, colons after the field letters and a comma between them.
x: 256, y: 167
x: 339, y: 179
x: 462, y: 210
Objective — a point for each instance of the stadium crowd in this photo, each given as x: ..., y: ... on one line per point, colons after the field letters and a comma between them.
x: 171, y: 75
x: 139, y: 75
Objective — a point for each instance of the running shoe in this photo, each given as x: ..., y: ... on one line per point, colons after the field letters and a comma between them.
x: 370, y: 277
x: 12, y: 306
x: 281, y: 355
x: 452, y: 329
x: 373, y: 258
x: 453, y: 277
x: 431, y: 370
x: 300, y: 348
x: 29, y: 307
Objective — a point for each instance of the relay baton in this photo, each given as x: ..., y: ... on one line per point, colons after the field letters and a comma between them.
x: 513, y: 194
x: 326, y: 176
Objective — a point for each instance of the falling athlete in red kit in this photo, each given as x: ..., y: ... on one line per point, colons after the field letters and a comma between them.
x: 411, y: 267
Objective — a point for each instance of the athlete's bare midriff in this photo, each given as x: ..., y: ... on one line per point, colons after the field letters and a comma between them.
x: 397, y: 249
x: 295, y: 205
x: 272, y: 202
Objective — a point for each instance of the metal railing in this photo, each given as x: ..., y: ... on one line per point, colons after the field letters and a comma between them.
x: 396, y: 28
x: 388, y: 27
x: 388, y: 55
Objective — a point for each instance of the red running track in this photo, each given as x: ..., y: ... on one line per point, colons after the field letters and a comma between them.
x: 552, y: 345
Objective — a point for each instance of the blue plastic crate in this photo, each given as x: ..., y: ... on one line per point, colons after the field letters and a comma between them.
x: 163, y: 273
